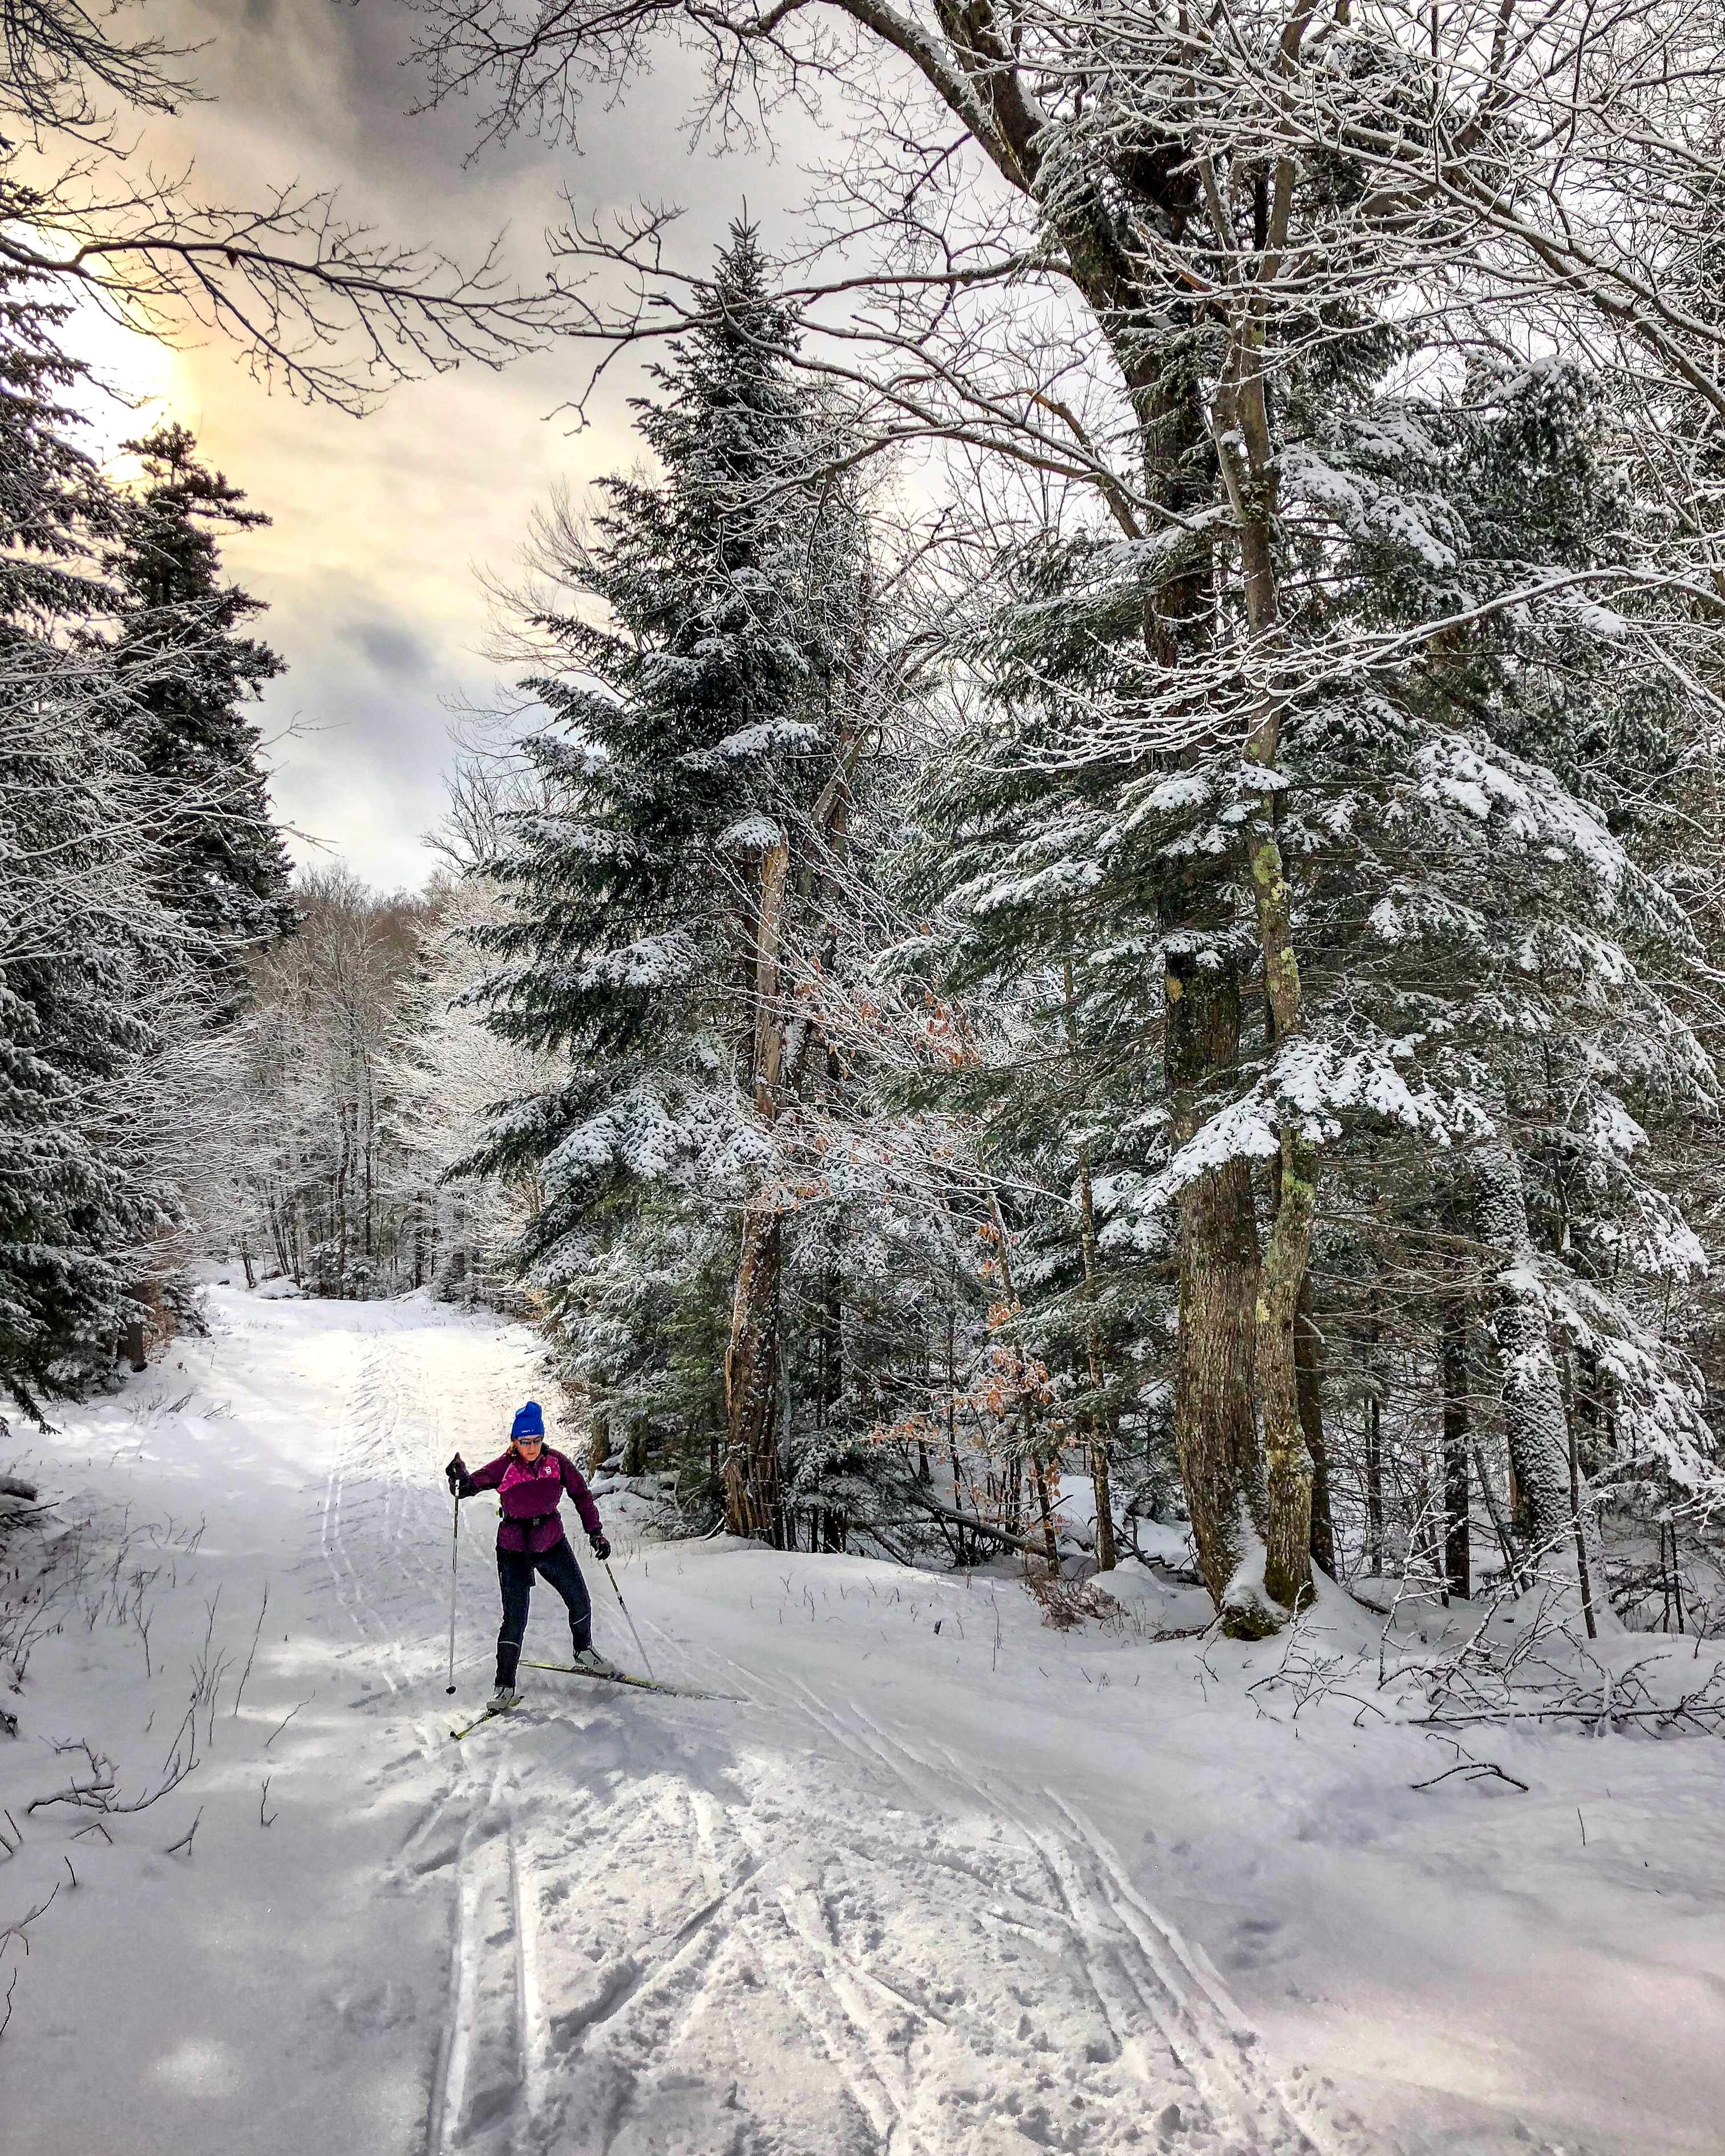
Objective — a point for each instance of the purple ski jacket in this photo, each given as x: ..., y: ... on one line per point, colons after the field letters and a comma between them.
x: 530, y: 1497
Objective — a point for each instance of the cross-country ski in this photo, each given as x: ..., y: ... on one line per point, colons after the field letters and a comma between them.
x: 626, y: 1678
x: 484, y: 1714
x: 491, y: 1714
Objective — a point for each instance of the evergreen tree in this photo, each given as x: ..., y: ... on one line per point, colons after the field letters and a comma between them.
x: 84, y: 948
x: 695, y: 767
x: 53, y: 504
x: 220, y: 864
x: 1048, y: 911
x: 1479, y: 835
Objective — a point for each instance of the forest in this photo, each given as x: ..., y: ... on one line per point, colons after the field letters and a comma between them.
x: 1058, y: 1049
x: 1098, y: 910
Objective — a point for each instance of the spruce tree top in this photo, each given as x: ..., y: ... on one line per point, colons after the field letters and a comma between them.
x: 192, y: 674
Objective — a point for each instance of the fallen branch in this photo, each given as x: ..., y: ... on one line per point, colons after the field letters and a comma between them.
x: 1681, y: 1712
x: 17, y: 1931
x: 940, y: 1512
x: 1473, y: 1768
x: 100, y: 1792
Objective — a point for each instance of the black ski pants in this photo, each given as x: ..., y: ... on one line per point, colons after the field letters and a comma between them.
x: 557, y: 1568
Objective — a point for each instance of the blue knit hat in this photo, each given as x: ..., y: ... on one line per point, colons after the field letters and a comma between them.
x: 528, y: 1422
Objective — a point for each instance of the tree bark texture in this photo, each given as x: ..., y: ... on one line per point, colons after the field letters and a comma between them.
x: 1308, y: 1371
x: 1288, y: 1463
x: 1246, y: 455
x: 753, y: 1506
x: 1039, y: 1482
x: 1378, y: 1383
x: 1101, y: 1482
x: 1458, y: 1556
x: 1027, y: 1407
x: 1587, y: 1566
x: 751, y: 1468
x: 1215, y: 1435
x: 1533, y: 1418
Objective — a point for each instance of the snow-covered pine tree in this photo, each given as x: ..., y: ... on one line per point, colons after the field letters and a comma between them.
x: 1539, y: 942
x: 83, y: 947
x: 1493, y: 1039
x: 694, y: 765
x: 219, y: 862
x: 1169, y: 213
x: 1046, y: 917
x: 1496, y: 1025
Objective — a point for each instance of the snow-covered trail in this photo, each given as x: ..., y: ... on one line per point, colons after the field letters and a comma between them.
x: 914, y: 1887
x: 616, y: 1923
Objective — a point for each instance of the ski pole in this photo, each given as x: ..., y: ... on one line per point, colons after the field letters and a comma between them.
x: 454, y: 1560
x: 628, y: 1619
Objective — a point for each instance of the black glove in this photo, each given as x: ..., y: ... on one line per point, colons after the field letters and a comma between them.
x: 601, y: 1548
x: 456, y: 1473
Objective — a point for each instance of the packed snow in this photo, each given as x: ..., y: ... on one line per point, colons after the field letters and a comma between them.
x: 922, y: 1877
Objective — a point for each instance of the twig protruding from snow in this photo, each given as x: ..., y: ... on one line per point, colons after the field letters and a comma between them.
x: 184, y: 1842
x: 1475, y: 1770
x: 257, y: 1634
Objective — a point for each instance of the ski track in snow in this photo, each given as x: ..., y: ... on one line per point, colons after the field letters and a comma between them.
x: 767, y: 1926
x: 879, y: 1951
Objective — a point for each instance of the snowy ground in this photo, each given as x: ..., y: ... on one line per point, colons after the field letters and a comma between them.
x: 934, y: 1881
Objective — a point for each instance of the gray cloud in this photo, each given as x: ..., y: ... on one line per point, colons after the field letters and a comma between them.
x: 369, y: 567
x: 391, y: 649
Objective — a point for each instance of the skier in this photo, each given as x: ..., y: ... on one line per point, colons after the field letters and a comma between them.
x: 529, y: 1479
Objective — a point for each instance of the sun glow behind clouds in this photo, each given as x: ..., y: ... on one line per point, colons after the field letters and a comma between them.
x: 134, y: 382
x: 369, y: 566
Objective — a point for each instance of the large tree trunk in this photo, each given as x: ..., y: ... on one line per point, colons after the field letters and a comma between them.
x: 1287, y: 1462
x: 1224, y: 1334
x: 1215, y: 1424
x: 1241, y: 423
x: 1039, y: 1482
x: 751, y: 1469
x: 1533, y: 1418
x: 1101, y: 1482
x: 1458, y: 1561
x: 1374, y: 1438
x: 1587, y: 1561
x: 1216, y: 1436
x: 1309, y: 1371
x: 1027, y: 1409
x: 752, y: 1504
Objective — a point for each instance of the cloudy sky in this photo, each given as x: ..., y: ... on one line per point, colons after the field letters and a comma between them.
x: 382, y: 526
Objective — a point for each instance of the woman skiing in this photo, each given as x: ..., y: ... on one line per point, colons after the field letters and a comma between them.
x: 529, y: 1479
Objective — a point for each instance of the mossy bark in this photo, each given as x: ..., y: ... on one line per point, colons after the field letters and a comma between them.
x: 1215, y: 1435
